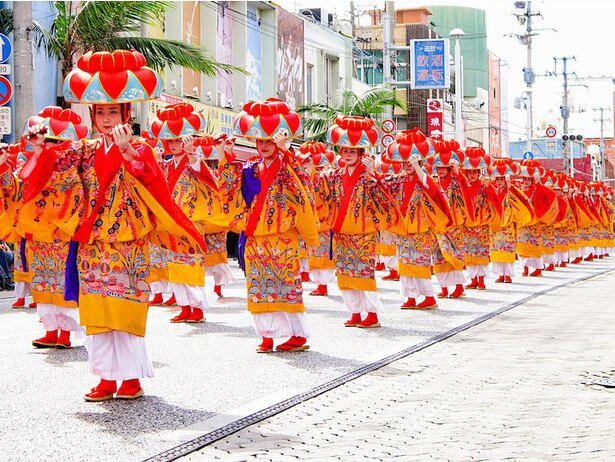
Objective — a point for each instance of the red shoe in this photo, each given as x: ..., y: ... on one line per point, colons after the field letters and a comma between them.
x: 379, y: 267
x: 218, y: 290
x: 196, y: 316
x: 537, y: 272
x: 481, y: 283
x: 526, y: 271
x: 500, y: 279
x: 181, y: 317
x: 600, y: 257
x: 563, y: 264
x: 50, y: 340
x: 590, y: 258
x: 305, y: 276
x: 266, y: 346
x: 458, y: 292
x: 551, y: 267
x: 427, y: 304
x: 370, y: 321
x: 64, y: 340
x: 577, y: 260
x: 321, y: 290
x: 32, y: 305
x: 102, y: 392
x: 157, y: 300
x: 507, y: 279
x: 392, y: 276
x: 473, y: 284
x: 294, y: 344
x: 410, y: 303
x: 19, y: 303
x: 443, y: 293
x: 130, y: 389
x: 354, y: 320
x: 171, y: 301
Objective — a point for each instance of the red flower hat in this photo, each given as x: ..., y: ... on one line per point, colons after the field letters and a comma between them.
x: 353, y: 132
x: 104, y: 77
x: 263, y: 119
x: 446, y: 153
x: 320, y: 153
x: 176, y: 121
x: 475, y: 158
x: 503, y: 167
x: 531, y: 168
x: 407, y: 143
x: 206, y: 147
x: 61, y: 124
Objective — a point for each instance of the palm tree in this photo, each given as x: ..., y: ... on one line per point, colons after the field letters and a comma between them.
x: 82, y: 26
x: 318, y: 117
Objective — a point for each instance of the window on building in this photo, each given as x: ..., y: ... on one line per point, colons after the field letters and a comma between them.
x: 309, y: 74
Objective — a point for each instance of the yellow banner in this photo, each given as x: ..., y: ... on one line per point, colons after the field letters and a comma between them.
x: 217, y: 119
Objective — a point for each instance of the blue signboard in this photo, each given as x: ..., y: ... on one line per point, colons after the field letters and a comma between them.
x: 429, y: 64
x: 528, y: 155
x: 6, y: 50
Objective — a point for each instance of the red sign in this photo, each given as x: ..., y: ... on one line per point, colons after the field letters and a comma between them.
x: 388, y: 126
x: 6, y: 90
x: 551, y: 131
x: 435, y: 112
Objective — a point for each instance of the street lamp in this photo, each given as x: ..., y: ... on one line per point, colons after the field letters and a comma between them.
x: 457, y: 34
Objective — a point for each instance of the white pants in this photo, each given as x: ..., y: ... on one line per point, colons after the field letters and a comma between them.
x: 22, y: 289
x: 503, y: 269
x: 159, y: 287
x: 413, y: 287
x: 189, y: 295
x: 574, y: 253
x: 450, y: 278
x: 390, y: 261
x: 357, y: 301
x: 587, y: 251
x: 477, y: 270
x: 549, y: 259
x: 281, y: 324
x: 534, y: 262
x: 54, y: 317
x: 322, y: 277
x: 222, y: 274
x: 118, y: 355
x: 304, y: 265
x: 561, y: 256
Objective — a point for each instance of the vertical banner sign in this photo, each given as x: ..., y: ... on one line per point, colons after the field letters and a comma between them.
x: 224, y: 51
x: 289, y: 58
x: 429, y: 64
x: 435, y: 112
x: 253, y: 55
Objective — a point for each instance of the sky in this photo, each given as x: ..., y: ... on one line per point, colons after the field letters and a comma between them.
x: 584, y: 29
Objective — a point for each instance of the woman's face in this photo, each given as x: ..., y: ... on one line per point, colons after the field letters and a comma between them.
x: 175, y: 146
x: 266, y: 148
x: 526, y: 182
x: 500, y: 181
x: 350, y: 155
x: 442, y: 171
x: 107, y: 116
x: 472, y: 175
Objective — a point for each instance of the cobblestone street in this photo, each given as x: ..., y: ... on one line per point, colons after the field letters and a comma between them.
x: 516, y: 387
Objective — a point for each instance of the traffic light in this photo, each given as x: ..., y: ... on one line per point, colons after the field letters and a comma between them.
x: 572, y: 137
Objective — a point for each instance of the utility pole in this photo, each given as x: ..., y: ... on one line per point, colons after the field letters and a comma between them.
x: 22, y: 63
x: 353, y: 19
x: 565, y: 110
x: 528, y: 73
x: 602, y: 119
x: 388, y: 16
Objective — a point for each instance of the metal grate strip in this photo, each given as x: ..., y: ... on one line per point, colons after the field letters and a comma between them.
x: 222, y: 432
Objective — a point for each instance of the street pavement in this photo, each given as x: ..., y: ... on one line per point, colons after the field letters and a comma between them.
x: 208, y: 375
x: 520, y: 386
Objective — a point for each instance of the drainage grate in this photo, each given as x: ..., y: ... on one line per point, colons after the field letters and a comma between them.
x: 602, y: 379
x: 200, y: 442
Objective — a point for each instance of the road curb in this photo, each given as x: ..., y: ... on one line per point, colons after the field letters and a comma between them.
x: 202, y: 441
